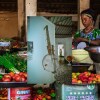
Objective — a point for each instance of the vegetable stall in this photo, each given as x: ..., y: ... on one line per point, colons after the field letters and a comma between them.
x: 13, y: 73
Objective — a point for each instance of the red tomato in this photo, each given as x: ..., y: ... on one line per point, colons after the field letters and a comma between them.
x: 21, y: 73
x: 17, y: 78
x: 23, y: 79
x: 25, y: 74
x: 48, y: 97
x: 40, y: 97
x: 6, y: 79
x: 7, y: 75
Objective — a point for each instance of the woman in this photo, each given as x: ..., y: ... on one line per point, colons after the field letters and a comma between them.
x: 89, y: 34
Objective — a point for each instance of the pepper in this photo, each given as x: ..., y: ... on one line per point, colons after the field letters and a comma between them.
x: 1, y: 76
x: 39, y: 91
x: 44, y: 99
x: 53, y: 95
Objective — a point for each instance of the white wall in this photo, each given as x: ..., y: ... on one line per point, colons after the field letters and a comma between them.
x: 67, y: 45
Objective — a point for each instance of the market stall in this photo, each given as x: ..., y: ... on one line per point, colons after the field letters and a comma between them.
x: 13, y: 73
x: 86, y: 67
x: 74, y: 82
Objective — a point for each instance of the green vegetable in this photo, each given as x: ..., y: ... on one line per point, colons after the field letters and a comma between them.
x: 53, y: 95
x: 39, y: 91
x: 19, y: 63
x: 1, y: 76
x: 7, y: 64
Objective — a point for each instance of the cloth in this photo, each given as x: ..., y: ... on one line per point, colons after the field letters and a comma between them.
x: 95, y: 34
x: 81, y: 45
x: 91, y: 13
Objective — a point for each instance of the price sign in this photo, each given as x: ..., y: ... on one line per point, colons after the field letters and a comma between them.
x: 76, y: 92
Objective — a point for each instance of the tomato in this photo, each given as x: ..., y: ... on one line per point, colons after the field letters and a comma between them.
x: 48, y: 97
x: 25, y: 74
x: 7, y: 76
x: 17, y: 78
x: 40, y: 97
x: 21, y: 73
x: 52, y: 90
x: 11, y: 74
x: 6, y: 79
x: 23, y: 79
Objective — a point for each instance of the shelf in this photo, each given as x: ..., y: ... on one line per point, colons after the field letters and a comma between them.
x: 17, y: 49
x: 14, y: 84
x: 86, y: 84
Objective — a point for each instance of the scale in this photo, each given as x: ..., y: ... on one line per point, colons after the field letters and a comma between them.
x: 49, y: 64
x: 49, y: 61
x: 61, y: 72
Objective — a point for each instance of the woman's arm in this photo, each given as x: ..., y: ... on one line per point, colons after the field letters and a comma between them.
x: 95, y: 42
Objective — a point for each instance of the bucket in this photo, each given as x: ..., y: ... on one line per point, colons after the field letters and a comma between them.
x: 20, y: 93
x: 81, y: 56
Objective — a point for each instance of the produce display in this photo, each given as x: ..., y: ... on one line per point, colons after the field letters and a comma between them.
x: 16, y: 44
x: 15, y: 67
x: 28, y: 92
x: 85, y: 78
x: 13, y: 63
x: 14, y: 40
x: 5, y: 44
x: 14, y: 77
x: 7, y: 64
x: 44, y: 94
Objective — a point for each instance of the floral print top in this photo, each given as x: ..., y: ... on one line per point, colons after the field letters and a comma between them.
x: 93, y: 35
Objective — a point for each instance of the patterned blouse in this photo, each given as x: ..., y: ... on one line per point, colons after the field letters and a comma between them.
x: 93, y: 35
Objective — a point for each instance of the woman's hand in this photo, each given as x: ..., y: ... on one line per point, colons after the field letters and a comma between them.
x: 95, y: 42
x: 80, y: 39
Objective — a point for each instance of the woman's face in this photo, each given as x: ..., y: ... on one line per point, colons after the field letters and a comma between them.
x: 86, y: 20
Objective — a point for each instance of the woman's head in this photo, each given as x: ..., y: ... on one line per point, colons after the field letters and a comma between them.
x: 88, y: 17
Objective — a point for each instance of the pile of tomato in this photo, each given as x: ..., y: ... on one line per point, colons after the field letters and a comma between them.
x: 14, y: 77
x: 44, y: 94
